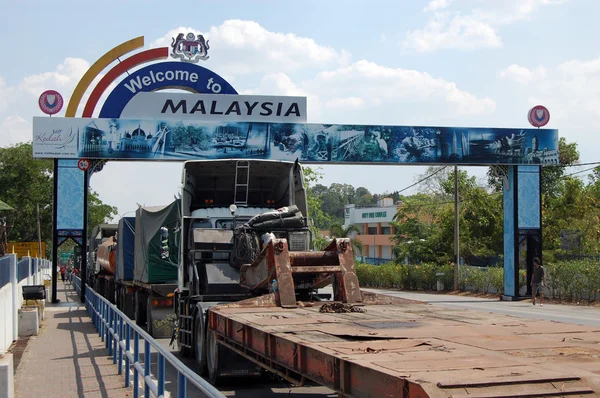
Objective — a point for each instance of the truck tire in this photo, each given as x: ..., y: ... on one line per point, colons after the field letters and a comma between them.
x: 140, y: 311
x: 212, y: 358
x: 149, y: 327
x: 199, y: 333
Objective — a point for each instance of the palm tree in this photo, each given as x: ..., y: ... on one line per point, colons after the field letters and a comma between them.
x: 338, y: 231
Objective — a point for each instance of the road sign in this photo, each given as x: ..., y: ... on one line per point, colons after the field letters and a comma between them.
x: 23, y: 249
x: 83, y: 164
x: 50, y: 102
x: 539, y: 116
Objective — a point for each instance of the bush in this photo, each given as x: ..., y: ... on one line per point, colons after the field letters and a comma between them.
x: 569, y: 280
x: 576, y: 279
x: 402, y: 276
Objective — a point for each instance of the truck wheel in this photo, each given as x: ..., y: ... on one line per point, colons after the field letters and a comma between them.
x: 200, y: 340
x: 212, y: 358
x: 140, y: 311
x: 149, y: 326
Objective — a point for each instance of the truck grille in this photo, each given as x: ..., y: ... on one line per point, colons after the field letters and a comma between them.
x: 298, y: 241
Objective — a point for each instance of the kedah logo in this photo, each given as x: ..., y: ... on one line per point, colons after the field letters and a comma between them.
x: 190, y: 48
x: 50, y: 102
x: 539, y: 116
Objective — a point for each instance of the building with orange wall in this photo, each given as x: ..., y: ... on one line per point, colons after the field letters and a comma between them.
x: 376, y: 229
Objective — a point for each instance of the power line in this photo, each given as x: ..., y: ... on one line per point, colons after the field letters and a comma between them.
x: 575, y: 165
x: 580, y: 171
x: 423, y: 179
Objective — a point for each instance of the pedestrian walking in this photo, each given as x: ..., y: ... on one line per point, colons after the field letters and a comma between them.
x: 538, y: 280
x: 62, y: 273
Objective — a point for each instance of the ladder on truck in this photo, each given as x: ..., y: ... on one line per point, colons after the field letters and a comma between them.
x: 242, y: 182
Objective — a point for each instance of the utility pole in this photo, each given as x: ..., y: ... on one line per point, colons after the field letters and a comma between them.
x: 39, y: 232
x: 456, y: 231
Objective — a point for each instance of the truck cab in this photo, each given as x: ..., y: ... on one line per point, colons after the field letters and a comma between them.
x: 219, y: 198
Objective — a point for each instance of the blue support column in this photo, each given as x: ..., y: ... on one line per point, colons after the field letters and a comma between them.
x: 522, y: 224
x: 510, y: 257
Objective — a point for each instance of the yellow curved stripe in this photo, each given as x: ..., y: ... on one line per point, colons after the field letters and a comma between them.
x: 95, y: 70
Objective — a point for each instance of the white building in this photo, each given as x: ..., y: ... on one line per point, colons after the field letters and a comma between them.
x: 376, y: 231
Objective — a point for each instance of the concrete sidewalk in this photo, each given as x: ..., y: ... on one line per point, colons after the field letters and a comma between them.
x: 67, y: 358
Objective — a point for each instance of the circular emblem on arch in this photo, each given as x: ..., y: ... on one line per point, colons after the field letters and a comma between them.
x: 161, y: 76
x: 50, y: 102
x: 539, y: 116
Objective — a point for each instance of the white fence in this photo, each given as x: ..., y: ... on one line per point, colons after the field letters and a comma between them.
x: 13, y: 276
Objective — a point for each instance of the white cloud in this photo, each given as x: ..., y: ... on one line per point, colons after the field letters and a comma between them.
x: 242, y: 47
x: 435, y: 5
x: 517, y: 73
x: 5, y: 95
x: 459, y: 32
x: 14, y: 130
x: 393, y: 85
x: 345, y: 103
x: 570, y: 91
x: 454, y: 29
x: 63, y: 79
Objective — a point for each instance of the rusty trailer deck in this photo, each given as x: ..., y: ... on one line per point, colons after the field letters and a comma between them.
x: 402, y: 348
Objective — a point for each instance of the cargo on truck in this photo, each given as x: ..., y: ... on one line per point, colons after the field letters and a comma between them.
x: 101, y: 257
x: 139, y: 267
x: 156, y: 264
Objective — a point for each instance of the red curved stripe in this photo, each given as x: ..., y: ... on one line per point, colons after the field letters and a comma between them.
x: 118, y: 70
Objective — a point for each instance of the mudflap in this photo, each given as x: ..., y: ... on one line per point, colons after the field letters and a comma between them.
x: 232, y: 364
x: 129, y: 305
x: 163, y: 322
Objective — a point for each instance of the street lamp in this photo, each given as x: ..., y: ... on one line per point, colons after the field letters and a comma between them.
x: 39, y: 229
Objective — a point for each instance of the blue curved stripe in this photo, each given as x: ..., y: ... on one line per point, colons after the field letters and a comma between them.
x: 162, y: 76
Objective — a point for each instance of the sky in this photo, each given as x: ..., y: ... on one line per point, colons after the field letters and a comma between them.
x: 467, y: 63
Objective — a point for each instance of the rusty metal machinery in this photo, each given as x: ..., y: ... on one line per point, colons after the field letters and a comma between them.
x: 333, y: 265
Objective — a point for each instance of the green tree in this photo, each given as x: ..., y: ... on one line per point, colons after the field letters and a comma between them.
x: 338, y: 231
x: 317, y: 218
x: 98, y: 212
x: 26, y: 182
x: 425, y: 222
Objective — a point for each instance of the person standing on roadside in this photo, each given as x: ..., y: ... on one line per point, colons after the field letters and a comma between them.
x: 538, y: 280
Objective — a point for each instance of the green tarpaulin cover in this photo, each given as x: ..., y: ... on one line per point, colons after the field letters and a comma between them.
x: 157, y: 243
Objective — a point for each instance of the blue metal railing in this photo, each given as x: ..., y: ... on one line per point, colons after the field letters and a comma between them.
x: 119, y: 333
x: 77, y: 284
x: 376, y: 261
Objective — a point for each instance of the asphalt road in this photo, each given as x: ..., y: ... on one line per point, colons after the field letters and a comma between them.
x: 573, y: 314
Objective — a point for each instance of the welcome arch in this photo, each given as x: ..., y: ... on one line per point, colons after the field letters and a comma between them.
x: 268, y: 136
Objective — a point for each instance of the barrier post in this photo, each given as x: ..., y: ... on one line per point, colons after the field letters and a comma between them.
x: 127, y: 348
x: 147, y: 364
x: 35, y: 271
x: 120, y: 355
x: 29, y: 270
x: 181, y: 385
x: 161, y: 375
x: 15, y: 286
x: 115, y: 334
x: 136, y: 359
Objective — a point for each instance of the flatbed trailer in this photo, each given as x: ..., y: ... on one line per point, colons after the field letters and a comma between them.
x: 390, y: 347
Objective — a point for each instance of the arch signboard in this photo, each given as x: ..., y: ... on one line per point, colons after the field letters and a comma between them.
x: 163, y: 139
x: 139, y: 122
